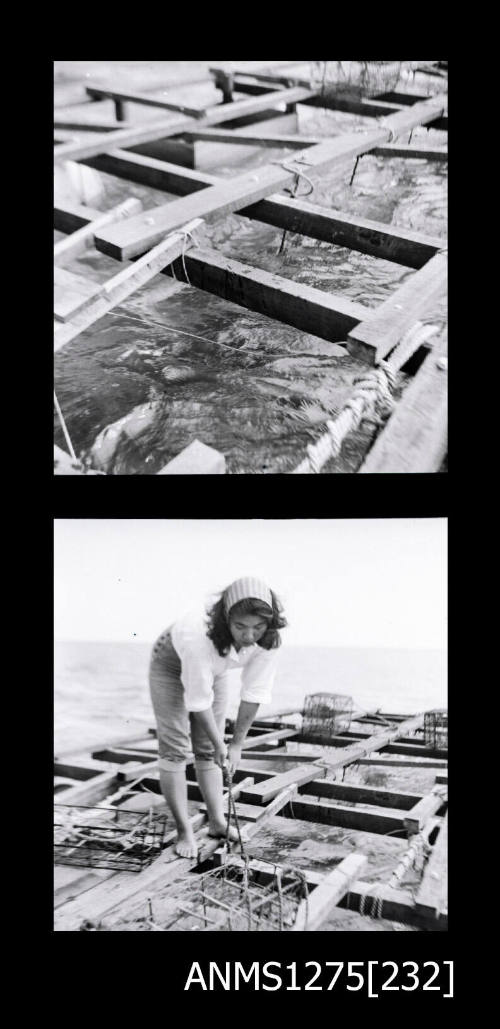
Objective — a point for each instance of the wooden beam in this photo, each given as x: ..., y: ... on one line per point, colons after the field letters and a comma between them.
x: 414, y: 439
x: 421, y: 153
x: 328, y: 812
x: 77, y: 770
x: 319, y: 904
x: 228, y: 195
x: 391, y: 901
x: 323, y: 314
x: 126, y: 282
x: 143, y: 98
x: 109, y: 125
x: 375, y: 337
x: 431, y: 898
x: 361, y: 794
x: 263, y: 792
x: 70, y: 217
x: 278, y: 754
x: 75, y: 244
x: 368, y: 237
x: 425, y: 809
x: 397, y: 763
x: 72, y: 293
x: 149, y: 171
x: 268, y: 737
x: 121, y: 757
x: 357, y: 751
x: 257, y: 139
x: 91, y: 792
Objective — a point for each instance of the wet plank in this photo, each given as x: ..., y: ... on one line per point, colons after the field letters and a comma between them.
x: 362, y: 794
x: 75, y: 244
x: 263, y: 792
x: 72, y: 293
x: 328, y: 812
x: 406, y: 150
x: 415, y: 437
x: 313, y: 911
x: 432, y: 896
x: 375, y: 337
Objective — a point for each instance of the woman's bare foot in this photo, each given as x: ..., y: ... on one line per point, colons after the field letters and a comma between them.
x: 220, y: 829
x: 186, y: 845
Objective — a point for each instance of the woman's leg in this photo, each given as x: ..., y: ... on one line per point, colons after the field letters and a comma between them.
x: 172, y: 719
x: 208, y: 774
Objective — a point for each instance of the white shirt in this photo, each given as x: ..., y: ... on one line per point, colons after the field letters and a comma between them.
x: 202, y: 665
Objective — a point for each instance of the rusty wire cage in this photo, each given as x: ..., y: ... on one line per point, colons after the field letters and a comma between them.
x: 326, y: 714
x: 358, y: 78
x: 436, y: 728
x: 96, y: 837
x: 232, y: 897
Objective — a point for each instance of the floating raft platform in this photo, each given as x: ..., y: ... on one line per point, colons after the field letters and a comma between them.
x: 351, y: 831
x: 164, y: 154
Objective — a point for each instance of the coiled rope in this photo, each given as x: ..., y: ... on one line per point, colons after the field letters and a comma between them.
x: 371, y: 398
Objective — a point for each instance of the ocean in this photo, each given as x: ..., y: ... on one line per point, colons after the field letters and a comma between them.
x: 101, y: 689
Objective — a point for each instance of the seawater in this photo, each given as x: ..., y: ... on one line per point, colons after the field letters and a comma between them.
x: 264, y: 400
x: 101, y: 689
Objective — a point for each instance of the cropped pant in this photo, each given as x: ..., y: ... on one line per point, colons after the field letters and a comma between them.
x: 178, y: 730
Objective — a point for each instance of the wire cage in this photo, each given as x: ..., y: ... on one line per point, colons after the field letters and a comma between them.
x: 96, y: 837
x: 436, y: 728
x: 232, y: 897
x: 326, y: 714
x: 358, y: 78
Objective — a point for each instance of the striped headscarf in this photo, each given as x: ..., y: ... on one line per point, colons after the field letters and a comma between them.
x: 242, y: 589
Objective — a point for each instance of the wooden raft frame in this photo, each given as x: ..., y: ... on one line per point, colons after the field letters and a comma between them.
x: 260, y: 794
x: 369, y: 334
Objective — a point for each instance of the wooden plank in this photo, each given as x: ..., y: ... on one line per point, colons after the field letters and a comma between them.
x: 313, y: 911
x: 268, y: 737
x: 121, y: 756
x: 255, y: 139
x: 70, y: 217
x: 143, y: 98
x: 357, y: 751
x: 75, y: 244
x: 414, y: 439
x: 375, y: 337
x: 228, y: 195
x: 106, y: 125
x: 249, y: 812
x: 327, y: 812
x: 280, y: 755
x: 263, y: 792
x: 410, y: 749
x: 431, y: 898
x: 413, y: 249
x: 72, y: 294
x: 441, y: 777
x: 367, y: 897
x: 425, y: 809
x: 397, y: 763
x: 323, y: 314
x: 126, y: 282
x: 92, y: 791
x: 362, y: 794
x: 406, y: 150
x: 77, y: 770
x: 149, y: 171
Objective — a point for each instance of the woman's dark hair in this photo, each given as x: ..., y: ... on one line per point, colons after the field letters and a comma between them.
x: 218, y: 622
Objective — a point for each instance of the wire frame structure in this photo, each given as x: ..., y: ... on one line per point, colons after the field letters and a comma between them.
x: 436, y: 728
x: 96, y: 837
x: 229, y: 898
x: 326, y: 714
x: 358, y: 78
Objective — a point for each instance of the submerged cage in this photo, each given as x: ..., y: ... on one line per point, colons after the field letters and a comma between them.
x: 96, y: 837
x: 436, y: 728
x: 326, y: 714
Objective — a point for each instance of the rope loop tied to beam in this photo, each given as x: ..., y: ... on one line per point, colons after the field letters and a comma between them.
x: 285, y: 164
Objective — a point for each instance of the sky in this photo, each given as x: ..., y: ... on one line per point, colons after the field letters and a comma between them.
x: 343, y: 582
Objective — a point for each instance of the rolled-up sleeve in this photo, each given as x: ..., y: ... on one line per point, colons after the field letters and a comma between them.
x: 197, y: 673
x: 257, y: 677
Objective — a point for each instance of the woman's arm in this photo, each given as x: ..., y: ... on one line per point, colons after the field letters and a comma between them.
x: 246, y: 714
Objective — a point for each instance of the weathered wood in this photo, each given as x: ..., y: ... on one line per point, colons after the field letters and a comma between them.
x: 415, y: 439
x: 92, y: 791
x: 143, y: 98
x: 77, y: 770
x: 327, y: 812
x: 136, y: 769
x: 368, y: 237
x: 263, y: 792
x: 75, y: 244
x: 411, y: 749
x: 196, y: 459
x: 121, y: 756
x: 268, y: 737
x: 255, y: 139
x: 70, y: 217
x: 367, y: 897
x: 431, y: 898
x: 281, y: 755
x: 126, y: 282
x: 396, y: 763
x: 362, y: 794
x: 313, y: 911
x: 375, y: 337
x: 149, y: 171
x: 406, y: 150
x: 228, y: 195
x: 70, y: 882
x: 357, y: 751
x: 108, y: 125
x: 428, y: 806
x: 72, y: 293
x: 323, y: 314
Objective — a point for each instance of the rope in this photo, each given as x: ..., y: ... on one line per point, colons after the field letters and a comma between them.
x: 187, y: 235
x: 372, y: 395
x: 285, y: 164
x: 64, y: 428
